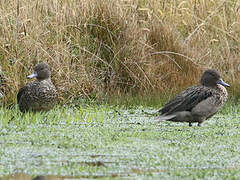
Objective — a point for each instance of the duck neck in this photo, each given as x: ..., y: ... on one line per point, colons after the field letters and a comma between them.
x: 211, y: 86
x: 43, y: 79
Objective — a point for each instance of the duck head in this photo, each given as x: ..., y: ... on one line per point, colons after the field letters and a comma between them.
x: 41, y: 72
x: 211, y: 78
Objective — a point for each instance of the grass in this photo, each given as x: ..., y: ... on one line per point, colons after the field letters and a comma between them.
x: 98, y: 48
x: 103, y: 49
x: 112, y: 141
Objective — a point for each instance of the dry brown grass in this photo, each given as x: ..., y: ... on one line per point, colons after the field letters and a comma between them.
x: 105, y: 47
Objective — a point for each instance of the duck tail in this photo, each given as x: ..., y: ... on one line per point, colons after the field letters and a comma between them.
x: 165, y: 117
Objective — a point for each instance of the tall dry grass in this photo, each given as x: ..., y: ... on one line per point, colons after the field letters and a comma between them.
x: 102, y: 48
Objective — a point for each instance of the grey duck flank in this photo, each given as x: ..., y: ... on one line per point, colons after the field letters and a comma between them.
x: 197, y: 103
x: 39, y: 95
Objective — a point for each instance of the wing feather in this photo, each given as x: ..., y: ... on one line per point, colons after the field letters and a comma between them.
x: 186, y: 100
x: 20, y: 93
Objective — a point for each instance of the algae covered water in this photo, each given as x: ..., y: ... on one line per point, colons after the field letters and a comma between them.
x: 109, y: 141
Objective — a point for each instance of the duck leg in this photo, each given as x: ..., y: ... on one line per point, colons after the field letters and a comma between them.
x: 190, y: 124
x: 199, y: 124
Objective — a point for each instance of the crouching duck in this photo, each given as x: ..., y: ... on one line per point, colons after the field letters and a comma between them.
x: 197, y: 103
x: 39, y: 95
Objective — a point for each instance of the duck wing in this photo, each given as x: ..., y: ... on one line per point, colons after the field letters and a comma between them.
x: 187, y: 100
x: 21, y: 92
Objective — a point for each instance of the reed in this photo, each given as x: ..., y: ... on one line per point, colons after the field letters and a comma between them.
x: 103, y: 48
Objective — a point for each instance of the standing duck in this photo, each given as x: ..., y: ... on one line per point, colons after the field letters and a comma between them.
x: 39, y: 95
x: 197, y: 103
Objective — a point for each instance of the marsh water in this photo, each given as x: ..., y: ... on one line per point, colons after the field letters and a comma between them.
x: 109, y: 142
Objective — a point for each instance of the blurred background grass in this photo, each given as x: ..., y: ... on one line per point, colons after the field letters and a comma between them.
x: 112, y: 48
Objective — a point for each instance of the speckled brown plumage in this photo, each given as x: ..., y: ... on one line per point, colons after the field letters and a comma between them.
x: 39, y: 95
x: 197, y: 103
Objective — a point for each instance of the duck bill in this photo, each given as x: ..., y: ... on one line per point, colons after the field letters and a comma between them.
x: 32, y: 75
x: 220, y: 81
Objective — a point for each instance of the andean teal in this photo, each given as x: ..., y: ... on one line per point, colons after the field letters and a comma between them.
x: 197, y: 103
x: 39, y: 95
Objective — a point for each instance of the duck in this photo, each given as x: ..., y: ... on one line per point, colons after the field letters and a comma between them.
x: 197, y: 103
x: 39, y: 95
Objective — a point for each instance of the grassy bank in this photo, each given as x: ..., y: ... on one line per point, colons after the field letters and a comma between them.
x: 106, y: 47
x: 109, y: 141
